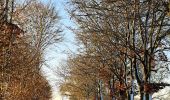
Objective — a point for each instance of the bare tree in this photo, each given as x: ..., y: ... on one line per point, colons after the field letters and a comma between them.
x: 130, y: 39
x: 22, y: 46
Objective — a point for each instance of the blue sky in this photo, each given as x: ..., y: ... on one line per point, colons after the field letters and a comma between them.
x: 69, y: 38
x: 55, y: 55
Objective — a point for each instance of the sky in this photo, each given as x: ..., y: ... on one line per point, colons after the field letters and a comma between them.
x: 57, y: 54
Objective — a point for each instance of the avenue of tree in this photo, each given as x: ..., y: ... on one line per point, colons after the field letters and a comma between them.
x: 124, y: 48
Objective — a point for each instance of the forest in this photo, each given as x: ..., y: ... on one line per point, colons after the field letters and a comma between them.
x: 123, y: 50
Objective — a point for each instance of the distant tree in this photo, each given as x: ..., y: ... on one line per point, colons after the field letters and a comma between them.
x: 80, y: 82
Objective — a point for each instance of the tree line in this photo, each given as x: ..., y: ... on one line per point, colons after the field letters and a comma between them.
x: 27, y: 28
x: 124, y: 50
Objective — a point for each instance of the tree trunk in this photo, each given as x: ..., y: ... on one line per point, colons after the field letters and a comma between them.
x: 142, y: 94
x: 148, y: 96
x: 100, y: 90
x: 111, y: 83
x: 131, y: 96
